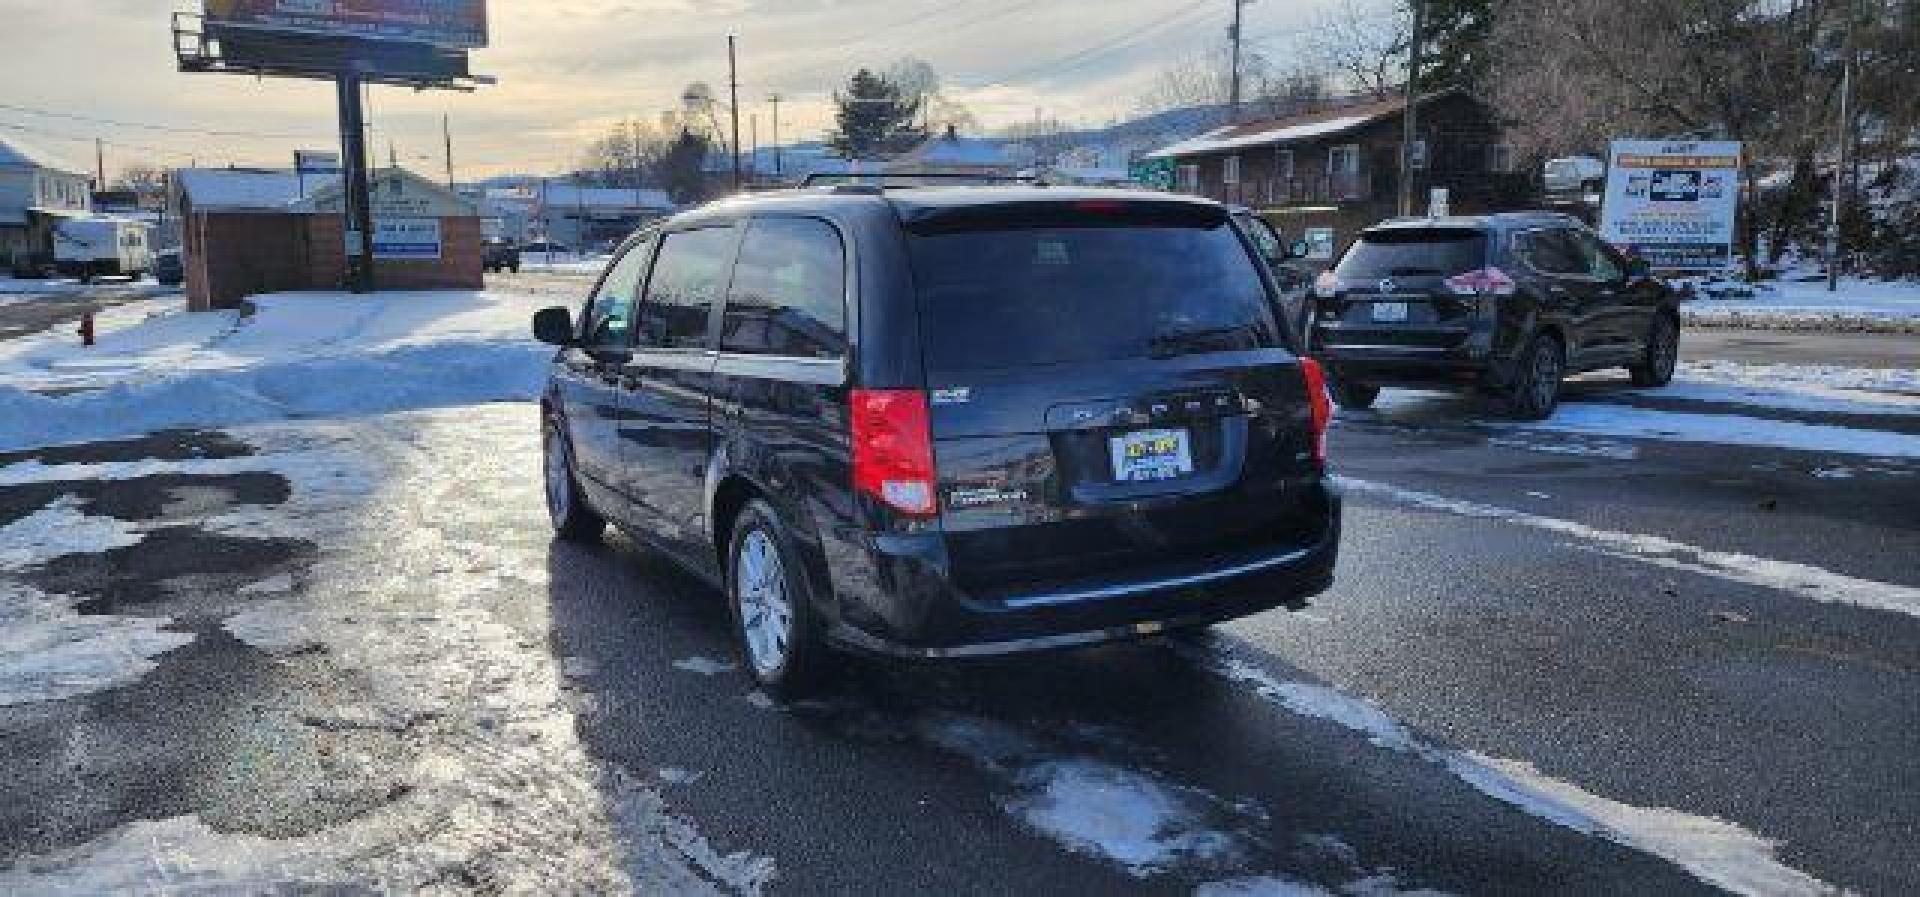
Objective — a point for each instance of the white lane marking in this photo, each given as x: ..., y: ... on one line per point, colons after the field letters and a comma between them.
x: 1713, y: 850
x: 1804, y: 580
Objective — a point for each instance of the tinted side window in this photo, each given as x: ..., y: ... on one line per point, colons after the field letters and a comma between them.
x: 610, y: 317
x: 789, y: 291
x: 1598, y: 256
x: 688, y: 277
x: 1551, y: 252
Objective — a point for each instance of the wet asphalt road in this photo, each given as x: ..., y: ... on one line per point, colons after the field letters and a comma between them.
x: 26, y: 313
x: 1501, y: 596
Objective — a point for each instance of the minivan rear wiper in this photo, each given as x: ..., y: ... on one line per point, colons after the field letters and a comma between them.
x: 1232, y: 338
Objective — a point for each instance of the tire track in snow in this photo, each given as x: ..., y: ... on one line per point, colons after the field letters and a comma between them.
x: 1804, y: 580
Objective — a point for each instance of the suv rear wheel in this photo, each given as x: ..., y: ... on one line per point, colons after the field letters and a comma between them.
x: 772, y: 607
x: 1663, y: 354
x: 1354, y: 396
x: 1535, y: 391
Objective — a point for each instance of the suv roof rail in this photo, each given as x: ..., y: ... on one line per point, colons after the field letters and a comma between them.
x: 859, y: 189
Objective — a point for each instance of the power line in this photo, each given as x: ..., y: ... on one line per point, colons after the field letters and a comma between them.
x: 147, y: 126
x: 1088, y: 54
x: 869, y: 37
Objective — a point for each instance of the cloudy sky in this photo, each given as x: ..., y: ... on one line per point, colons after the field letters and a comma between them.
x: 569, y: 67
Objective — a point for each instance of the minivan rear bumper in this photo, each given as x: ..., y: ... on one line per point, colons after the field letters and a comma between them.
x: 904, y: 603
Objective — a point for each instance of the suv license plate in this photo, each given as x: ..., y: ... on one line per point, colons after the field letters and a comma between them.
x: 1389, y: 312
x: 1151, y: 455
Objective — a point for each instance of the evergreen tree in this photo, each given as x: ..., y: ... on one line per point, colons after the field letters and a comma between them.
x: 1456, y: 44
x: 682, y: 169
x: 874, y: 118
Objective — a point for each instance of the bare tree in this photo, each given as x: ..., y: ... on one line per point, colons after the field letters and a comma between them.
x: 1362, y: 44
x: 627, y: 155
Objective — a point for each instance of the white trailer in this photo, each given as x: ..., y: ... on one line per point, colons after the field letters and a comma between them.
x: 94, y: 246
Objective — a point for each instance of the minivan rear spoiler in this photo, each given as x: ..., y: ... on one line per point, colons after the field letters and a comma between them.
x: 1066, y: 211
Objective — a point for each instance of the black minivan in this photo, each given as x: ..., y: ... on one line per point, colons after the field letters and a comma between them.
x: 1507, y: 304
x: 946, y: 422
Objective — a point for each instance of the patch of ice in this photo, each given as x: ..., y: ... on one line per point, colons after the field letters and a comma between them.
x: 50, y: 652
x: 1804, y: 580
x: 1568, y: 445
x: 674, y: 775
x: 761, y: 700
x: 60, y: 529
x: 1719, y: 429
x: 705, y: 666
x: 1714, y: 850
x: 1138, y: 820
x: 277, y: 628
x: 1833, y: 473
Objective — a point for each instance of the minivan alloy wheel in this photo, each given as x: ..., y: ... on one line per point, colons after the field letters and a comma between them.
x: 572, y: 518
x: 766, y: 611
x: 559, y: 485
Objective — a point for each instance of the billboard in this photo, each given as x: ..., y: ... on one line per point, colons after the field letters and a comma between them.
x: 446, y: 23
x: 1673, y: 202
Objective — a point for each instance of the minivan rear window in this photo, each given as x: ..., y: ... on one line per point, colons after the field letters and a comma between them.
x: 1414, y: 252
x: 1012, y: 297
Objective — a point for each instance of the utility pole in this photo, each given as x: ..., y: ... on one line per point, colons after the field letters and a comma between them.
x: 1233, y: 36
x: 1844, y: 160
x: 733, y: 103
x: 353, y: 170
x: 775, y: 100
x: 1411, y: 117
x: 100, y: 165
x: 446, y: 133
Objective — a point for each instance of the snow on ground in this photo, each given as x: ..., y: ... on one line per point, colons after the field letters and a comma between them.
x: 1595, y: 415
x: 1713, y: 850
x: 298, y: 355
x: 1796, y: 305
x: 415, y: 603
x: 563, y: 263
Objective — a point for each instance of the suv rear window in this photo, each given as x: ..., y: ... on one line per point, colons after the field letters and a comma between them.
x: 1009, y: 297
x: 1414, y: 251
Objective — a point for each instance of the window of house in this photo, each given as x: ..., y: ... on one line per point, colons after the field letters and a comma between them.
x: 1230, y: 170
x: 789, y: 291
x: 1344, y: 159
x: 1500, y: 158
x: 1187, y: 178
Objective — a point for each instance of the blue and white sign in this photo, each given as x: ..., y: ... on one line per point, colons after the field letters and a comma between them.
x: 401, y: 238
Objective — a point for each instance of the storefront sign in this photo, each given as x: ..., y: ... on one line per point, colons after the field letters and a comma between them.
x: 1673, y: 203
x: 401, y: 238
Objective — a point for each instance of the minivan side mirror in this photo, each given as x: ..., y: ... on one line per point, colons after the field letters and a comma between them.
x: 553, y: 326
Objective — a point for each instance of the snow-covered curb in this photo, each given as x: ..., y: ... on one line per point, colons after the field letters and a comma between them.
x: 1804, y: 321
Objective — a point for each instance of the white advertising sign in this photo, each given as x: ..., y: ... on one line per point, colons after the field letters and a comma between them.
x: 1673, y: 202
x: 401, y: 238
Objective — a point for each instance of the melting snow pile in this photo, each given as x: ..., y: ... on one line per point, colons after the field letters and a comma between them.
x: 300, y: 355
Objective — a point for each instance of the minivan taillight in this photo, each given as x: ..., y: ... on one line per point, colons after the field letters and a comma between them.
x: 893, y: 449
x: 1321, y: 404
x: 1484, y: 282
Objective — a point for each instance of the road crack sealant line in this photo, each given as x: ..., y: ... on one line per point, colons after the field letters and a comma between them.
x: 1716, y: 851
x: 1802, y: 580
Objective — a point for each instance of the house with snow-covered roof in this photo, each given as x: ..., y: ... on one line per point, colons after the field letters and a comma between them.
x: 35, y: 188
x: 1323, y: 175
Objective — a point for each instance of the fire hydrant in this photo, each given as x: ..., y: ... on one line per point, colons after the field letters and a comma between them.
x: 86, y: 329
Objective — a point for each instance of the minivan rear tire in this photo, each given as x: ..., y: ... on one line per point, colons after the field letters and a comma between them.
x: 1354, y: 396
x: 1537, y: 379
x: 765, y: 582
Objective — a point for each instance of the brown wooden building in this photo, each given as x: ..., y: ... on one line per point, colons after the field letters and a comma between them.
x: 1324, y: 175
x: 251, y: 231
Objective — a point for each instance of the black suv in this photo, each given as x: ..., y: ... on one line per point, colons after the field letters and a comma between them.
x: 1508, y: 303
x: 500, y: 255
x: 946, y: 422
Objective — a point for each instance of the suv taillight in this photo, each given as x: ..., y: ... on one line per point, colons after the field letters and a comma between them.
x: 1484, y: 282
x: 1321, y: 404
x: 893, y: 449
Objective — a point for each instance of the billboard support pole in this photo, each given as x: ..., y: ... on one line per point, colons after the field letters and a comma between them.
x: 354, y: 182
